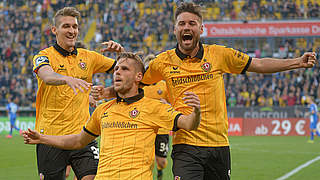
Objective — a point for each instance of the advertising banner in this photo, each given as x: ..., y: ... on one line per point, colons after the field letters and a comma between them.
x: 276, y: 127
x: 235, y: 127
x: 267, y: 112
x: 22, y: 123
x: 261, y: 29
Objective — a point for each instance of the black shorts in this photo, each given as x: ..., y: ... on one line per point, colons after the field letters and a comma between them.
x: 162, y: 145
x: 194, y: 162
x: 52, y: 161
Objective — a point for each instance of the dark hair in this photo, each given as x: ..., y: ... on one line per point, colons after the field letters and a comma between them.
x: 135, y: 57
x: 66, y: 11
x: 188, y: 7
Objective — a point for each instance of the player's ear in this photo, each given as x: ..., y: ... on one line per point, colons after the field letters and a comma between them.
x: 201, y: 29
x: 139, y: 76
x: 54, y: 30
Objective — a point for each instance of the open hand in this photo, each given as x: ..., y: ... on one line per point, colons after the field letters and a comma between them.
x: 31, y: 137
x: 76, y: 83
x: 112, y: 46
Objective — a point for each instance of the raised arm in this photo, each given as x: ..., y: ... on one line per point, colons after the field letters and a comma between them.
x: 50, y: 77
x: 69, y: 142
x: 112, y: 46
x: 191, y: 121
x: 272, y: 65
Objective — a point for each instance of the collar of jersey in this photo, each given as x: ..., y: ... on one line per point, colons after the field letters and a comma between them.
x: 132, y: 99
x: 64, y: 52
x: 182, y: 56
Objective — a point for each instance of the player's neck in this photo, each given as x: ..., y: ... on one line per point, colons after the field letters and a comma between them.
x: 132, y: 92
x: 190, y: 53
x: 63, y: 46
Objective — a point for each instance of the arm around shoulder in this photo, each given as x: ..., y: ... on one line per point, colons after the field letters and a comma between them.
x: 50, y: 77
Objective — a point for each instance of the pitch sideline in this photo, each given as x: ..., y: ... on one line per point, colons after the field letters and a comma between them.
x: 298, y: 168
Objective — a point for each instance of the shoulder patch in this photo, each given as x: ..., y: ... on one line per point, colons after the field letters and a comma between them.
x: 41, y: 59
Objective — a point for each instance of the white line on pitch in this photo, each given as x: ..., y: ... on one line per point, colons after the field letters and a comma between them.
x: 298, y: 168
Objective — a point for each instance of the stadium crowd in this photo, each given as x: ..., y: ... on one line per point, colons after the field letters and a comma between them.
x: 147, y: 26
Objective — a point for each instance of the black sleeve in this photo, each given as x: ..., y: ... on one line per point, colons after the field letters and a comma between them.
x: 112, y: 67
x: 175, y: 124
x: 87, y: 131
x: 247, y: 66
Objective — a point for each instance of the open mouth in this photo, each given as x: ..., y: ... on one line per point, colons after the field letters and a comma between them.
x: 186, y: 37
x: 117, y: 80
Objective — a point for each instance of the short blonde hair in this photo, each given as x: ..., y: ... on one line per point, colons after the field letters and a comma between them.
x: 66, y: 11
x: 135, y: 57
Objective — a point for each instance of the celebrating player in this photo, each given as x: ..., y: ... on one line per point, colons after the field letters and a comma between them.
x: 193, y: 66
x: 127, y: 125
x: 64, y: 75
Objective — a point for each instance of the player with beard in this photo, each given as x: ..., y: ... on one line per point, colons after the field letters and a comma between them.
x: 199, y: 68
x: 128, y: 125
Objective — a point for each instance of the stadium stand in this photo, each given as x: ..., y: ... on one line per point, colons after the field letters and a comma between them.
x: 148, y: 26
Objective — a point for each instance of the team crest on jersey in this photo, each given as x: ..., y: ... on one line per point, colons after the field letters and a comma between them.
x: 41, y: 59
x: 177, y: 178
x: 134, y: 113
x: 82, y: 65
x: 206, y: 67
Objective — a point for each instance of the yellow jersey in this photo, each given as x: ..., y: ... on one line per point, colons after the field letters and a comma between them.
x: 128, y: 129
x: 157, y: 91
x: 58, y: 110
x: 202, y: 75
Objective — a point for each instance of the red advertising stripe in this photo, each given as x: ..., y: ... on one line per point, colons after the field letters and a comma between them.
x: 235, y: 127
x: 276, y: 127
x: 268, y: 29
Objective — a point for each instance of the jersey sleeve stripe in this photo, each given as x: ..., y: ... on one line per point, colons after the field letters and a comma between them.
x: 37, y: 68
x: 175, y: 124
x: 113, y: 65
x: 87, y: 131
x: 247, y: 66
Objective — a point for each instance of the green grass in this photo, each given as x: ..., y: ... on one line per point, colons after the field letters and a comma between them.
x: 270, y: 157
x: 253, y: 158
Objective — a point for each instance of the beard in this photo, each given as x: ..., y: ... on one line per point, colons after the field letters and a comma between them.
x: 190, y: 47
